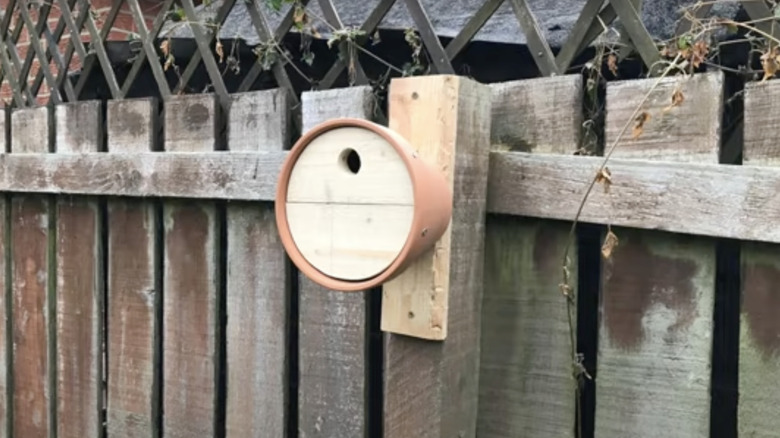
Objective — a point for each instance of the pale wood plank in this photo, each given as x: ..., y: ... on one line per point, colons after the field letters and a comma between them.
x: 658, y: 289
x: 257, y: 282
x: 332, y: 325
x: 31, y: 287
x: 80, y: 288
x: 134, y: 289
x: 525, y: 381
x: 191, y: 283
x: 431, y: 387
x: 6, y: 397
x: 759, y: 351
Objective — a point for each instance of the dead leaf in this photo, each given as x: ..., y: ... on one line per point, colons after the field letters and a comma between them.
x: 165, y: 48
x: 220, y: 52
x: 770, y: 62
x: 612, y: 64
x: 699, y: 53
x: 677, y: 99
x: 639, y: 126
x: 604, y: 177
x: 610, y: 242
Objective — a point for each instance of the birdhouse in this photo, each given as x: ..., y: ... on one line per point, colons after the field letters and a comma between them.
x: 356, y: 205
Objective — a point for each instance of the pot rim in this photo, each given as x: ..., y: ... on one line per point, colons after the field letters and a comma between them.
x: 407, y: 154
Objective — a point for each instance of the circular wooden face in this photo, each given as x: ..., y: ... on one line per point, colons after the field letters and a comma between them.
x: 349, y: 203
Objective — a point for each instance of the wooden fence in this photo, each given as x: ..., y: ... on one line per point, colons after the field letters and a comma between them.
x: 146, y: 291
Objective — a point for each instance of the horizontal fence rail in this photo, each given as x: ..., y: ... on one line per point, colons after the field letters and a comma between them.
x: 692, y: 198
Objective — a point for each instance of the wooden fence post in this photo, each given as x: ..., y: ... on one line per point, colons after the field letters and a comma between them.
x: 134, y: 285
x: 431, y: 386
x: 32, y: 282
x: 258, y: 289
x: 525, y: 384
x: 658, y: 289
x: 190, y: 282
x: 79, y: 285
x: 759, y: 337
x: 332, y: 327
x: 6, y: 346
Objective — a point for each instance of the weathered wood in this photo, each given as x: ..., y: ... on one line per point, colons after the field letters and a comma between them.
x: 332, y: 324
x: 525, y: 379
x: 658, y: 289
x: 6, y: 346
x: 759, y: 329
x: 431, y: 387
x: 32, y: 306
x: 555, y: 102
x: 80, y: 288
x: 191, y: 283
x: 257, y: 283
x: 134, y: 288
x: 691, y: 198
x: 215, y: 175
x: 738, y: 202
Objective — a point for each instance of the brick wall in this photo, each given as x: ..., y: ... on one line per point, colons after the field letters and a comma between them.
x: 122, y: 28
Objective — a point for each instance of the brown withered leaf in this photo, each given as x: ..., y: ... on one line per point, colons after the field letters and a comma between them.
x: 604, y: 177
x: 220, y: 52
x: 677, y: 99
x: 770, y: 62
x: 165, y: 48
x: 639, y: 126
x: 612, y: 63
x: 699, y: 53
x: 610, y: 242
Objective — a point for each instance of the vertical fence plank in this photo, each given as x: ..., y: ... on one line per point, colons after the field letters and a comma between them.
x: 5, y: 299
x: 332, y: 325
x: 31, y: 308
x: 759, y: 353
x: 658, y: 289
x: 431, y: 387
x: 257, y: 282
x: 79, y: 285
x: 133, y: 296
x: 191, y: 282
x: 525, y: 383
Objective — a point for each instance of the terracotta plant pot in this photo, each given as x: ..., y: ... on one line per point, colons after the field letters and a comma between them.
x: 355, y: 205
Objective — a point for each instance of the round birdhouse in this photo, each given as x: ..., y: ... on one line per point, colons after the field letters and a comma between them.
x: 356, y: 205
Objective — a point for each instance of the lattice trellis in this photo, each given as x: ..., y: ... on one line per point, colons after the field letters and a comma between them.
x: 78, y: 36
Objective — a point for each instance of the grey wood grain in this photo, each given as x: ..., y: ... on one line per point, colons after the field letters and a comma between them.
x: 80, y: 291
x: 134, y: 289
x: 658, y: 289
x: 257, y: 282
x: 759, y: 345
x: 525, y: 384
x: 32, y: 309
x: 431, y: 388
x: 191, y: 287
x: 332, y: 324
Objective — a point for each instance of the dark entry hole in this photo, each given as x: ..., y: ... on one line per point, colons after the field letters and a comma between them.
x: 350, y: 160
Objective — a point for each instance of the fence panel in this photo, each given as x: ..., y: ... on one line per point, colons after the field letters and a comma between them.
x: 134, y: 286
x: 258, y: 291
x: 525, y: 382
x: 658, y: 289
x: 80, y: 291
x: 191, y: 288
x: 759, y: 323
x: 32, y: 309
x: 332, y: 327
